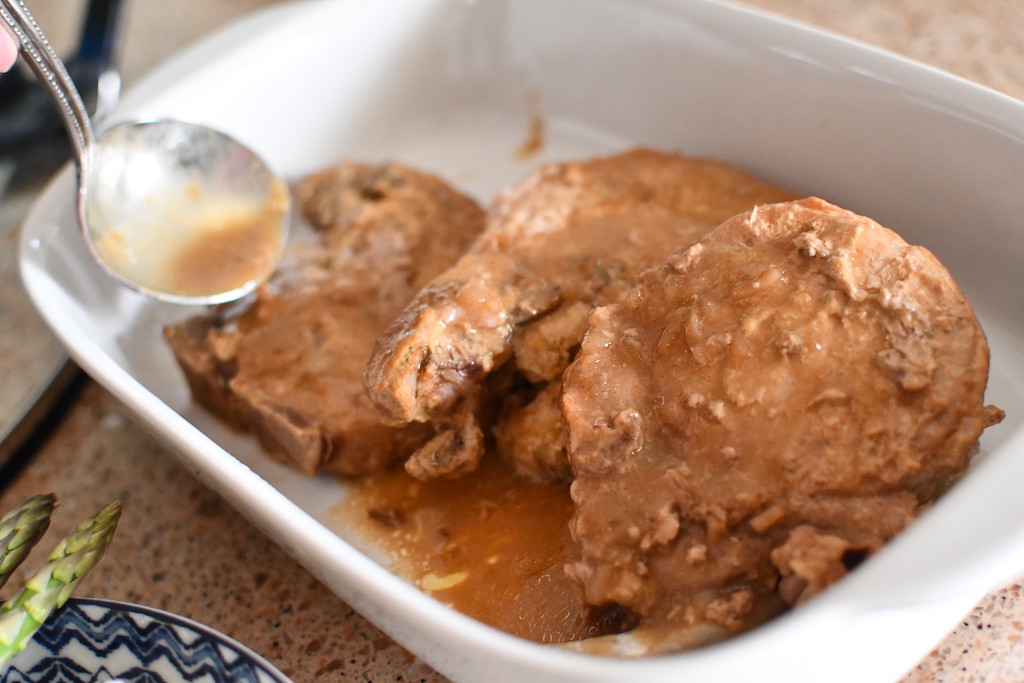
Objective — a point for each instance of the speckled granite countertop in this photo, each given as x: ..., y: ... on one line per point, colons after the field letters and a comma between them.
x: 181, y: 548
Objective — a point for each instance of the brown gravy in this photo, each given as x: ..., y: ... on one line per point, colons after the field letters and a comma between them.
x: 491, y: 545
x: 229, y: 255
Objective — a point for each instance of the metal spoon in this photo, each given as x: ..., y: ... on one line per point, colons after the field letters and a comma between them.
x: 174, y: 210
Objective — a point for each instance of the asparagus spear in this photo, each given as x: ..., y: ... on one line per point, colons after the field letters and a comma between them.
x: 48, y: 589
x: 20, y: 529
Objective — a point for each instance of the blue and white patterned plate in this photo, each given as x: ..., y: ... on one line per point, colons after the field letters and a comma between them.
x: 90, y: 641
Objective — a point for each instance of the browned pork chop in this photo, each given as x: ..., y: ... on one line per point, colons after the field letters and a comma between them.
x: 289, y: 365
x: 764, y: 411
x: 569, y: 237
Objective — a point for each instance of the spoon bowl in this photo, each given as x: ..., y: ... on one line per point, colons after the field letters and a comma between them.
x: 174, y: 210
x: 181, y: 212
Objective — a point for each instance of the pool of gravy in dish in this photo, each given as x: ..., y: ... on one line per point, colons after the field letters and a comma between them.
x: 491, y: 545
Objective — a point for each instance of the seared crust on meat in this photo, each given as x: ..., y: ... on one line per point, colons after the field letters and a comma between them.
x: 773, y: 404
x: 289, y: 366
x: 569, y: 237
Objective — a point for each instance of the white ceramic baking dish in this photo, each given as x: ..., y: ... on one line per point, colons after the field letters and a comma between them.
x: 450, y: 86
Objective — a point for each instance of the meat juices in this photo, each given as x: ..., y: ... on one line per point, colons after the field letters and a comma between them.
x: 765, y: 410
x: 569, y: 237
x: 289, y: 365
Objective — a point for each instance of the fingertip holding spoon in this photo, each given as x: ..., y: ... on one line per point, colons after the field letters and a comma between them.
x: 174, y: 210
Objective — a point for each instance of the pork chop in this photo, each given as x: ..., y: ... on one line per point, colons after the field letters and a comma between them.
x: 567, y: 238
x: 288, y: 364
x: 763, y: 412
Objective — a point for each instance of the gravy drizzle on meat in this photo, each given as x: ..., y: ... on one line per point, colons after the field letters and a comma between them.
x: 765, y: 410
x: 708, y: 401
x: 494, y: 333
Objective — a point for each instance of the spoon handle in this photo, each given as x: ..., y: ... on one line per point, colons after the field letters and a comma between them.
x: 50, y: 71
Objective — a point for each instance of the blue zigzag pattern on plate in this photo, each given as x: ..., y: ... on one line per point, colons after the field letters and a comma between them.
x: 91, y: 641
